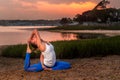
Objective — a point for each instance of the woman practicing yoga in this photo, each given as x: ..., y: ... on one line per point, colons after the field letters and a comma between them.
x: 47, y: 57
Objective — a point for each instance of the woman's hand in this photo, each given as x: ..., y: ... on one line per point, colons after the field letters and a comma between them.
x: 45, y: 68
x: 35, y: 32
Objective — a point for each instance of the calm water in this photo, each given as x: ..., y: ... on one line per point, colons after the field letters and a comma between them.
x: 10, y: 35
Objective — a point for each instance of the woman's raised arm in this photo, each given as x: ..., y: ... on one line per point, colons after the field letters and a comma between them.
x: 39, y: 42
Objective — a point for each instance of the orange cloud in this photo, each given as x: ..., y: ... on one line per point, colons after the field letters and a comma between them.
x: 45, y: 10
x: 69, y: 10
x: 2, y: 8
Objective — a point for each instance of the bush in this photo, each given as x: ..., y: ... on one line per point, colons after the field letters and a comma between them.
x: 80, y: 27
x: 88, y: 48
x: 73, y: 49
x: 17, y: 51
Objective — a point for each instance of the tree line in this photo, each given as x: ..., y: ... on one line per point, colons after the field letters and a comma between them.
x: 100, y: 16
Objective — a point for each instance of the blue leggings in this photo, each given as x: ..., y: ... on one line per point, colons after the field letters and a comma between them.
x: 59, y: 65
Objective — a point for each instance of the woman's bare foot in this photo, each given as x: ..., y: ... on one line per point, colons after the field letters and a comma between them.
x: 28, y: 48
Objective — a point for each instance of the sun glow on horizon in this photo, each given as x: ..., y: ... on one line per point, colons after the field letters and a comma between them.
x: 65, y: 9
x: 45, y: 10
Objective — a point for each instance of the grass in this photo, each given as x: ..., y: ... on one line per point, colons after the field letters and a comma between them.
x: 80, y: 27
x: 17, y: 51
x: 73, y: 49
x: 88, y: 48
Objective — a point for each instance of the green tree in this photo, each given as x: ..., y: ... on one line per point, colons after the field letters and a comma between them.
x: 78, y: 18
x: 65, y: 21
x: 104, y: 15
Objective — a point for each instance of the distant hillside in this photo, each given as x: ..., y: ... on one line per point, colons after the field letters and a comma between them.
x: 29, y: 22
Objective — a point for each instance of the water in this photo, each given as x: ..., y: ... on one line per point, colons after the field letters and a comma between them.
x: 11, y: 35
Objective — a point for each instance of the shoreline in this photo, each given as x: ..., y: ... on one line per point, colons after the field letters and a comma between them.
x: 95, y: 68
x: 106, y: 32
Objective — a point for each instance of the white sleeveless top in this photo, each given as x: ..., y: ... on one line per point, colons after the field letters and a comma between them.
x: 49, y: 55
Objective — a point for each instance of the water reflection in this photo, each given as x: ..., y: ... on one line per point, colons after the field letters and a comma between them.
x: 77, y: 36
x: 69, y: 36
x: 13, y: 35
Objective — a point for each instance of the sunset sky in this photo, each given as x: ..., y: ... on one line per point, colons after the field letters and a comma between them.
x: 46, y: 9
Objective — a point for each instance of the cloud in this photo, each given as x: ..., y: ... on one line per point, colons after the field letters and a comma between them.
x: 44, y: 9
x: 58, y: 1
x: 63, y: 10
x: 1, y: 8
x: 66, y: 1
x: 20, y: 9
x: 31, y: 1
x: 114, y: 3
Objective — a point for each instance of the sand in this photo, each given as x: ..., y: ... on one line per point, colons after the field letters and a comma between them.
x: 96, y: 68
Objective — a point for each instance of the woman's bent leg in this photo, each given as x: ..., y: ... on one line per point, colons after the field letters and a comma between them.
x: 32, y: 68
x: 61, y: 65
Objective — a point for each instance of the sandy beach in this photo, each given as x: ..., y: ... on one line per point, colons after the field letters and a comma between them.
x: 96, y: 68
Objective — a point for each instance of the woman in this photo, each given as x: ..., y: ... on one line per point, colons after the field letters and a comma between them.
x: 47, y: 57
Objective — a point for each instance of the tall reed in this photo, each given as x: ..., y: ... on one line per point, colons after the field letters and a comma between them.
x: 73, y: 49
